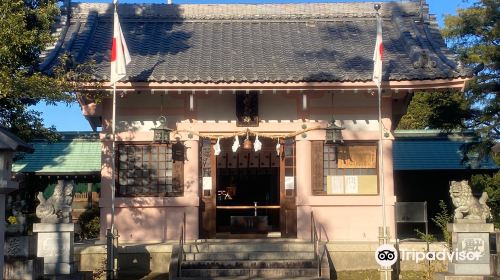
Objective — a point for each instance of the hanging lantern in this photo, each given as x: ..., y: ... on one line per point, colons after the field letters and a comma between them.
x: 161, y: 132
x: 247, y: 144
x: 334, y: 133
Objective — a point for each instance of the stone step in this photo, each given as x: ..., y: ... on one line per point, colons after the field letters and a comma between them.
x: 251, y: 277
x: 266, y: 273
x: 249, y: 247
x: 249, y: 256
x: 250, y: 264
x: 253, y: 240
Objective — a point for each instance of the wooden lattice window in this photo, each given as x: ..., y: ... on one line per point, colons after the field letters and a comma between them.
x: 148, y: 170
x: 290, y: 163
x: 206, y: 166
x: 348, y: 169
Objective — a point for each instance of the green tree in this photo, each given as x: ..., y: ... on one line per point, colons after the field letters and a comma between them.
x: 25, y: 30
x: 474, y: 34
x: 436, y: 110
x: 491, y: 185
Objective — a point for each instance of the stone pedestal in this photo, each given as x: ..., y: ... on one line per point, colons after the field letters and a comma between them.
x: 21, y: 262
x: 23, y: 269
x: 55, y: 244
x: 471, y: 248
x: 19, y: 246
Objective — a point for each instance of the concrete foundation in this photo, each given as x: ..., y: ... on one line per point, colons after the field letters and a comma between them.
x: 449, y: 276
x: 138, y: 260
x: 469, y: 269
x: 134, y: 260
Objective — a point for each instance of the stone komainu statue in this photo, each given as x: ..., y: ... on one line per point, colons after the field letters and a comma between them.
x: 467, y: 206
x: 57, y: 208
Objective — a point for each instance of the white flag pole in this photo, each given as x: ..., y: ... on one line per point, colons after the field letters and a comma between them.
x: 113, y: 164
x: 113, y: 135
x: 381, y: 163
x: 381, y: 137
x: 381, y: 134
x: 381, y: 176
x: 110, y: 238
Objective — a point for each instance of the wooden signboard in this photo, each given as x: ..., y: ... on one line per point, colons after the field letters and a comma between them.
x: 361, y: 156
x: 178, y: 150
x: 247, y: 108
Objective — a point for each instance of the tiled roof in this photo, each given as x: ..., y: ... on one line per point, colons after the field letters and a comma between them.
x: 429, y: 150
x: 225, y: 43
x: 72, y: 155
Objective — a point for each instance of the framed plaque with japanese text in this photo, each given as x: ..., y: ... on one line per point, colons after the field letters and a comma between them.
x: 357, y: 156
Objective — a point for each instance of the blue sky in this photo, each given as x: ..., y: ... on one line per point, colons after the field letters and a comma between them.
x: 69, y: 117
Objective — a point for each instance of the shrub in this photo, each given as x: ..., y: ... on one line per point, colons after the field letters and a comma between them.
x: 89, y: 223
x: 442, y: 219
x: 490, y: 184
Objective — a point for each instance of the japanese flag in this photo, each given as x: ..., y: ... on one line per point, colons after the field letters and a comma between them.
x: 378, y: 55
x: 120, y: 56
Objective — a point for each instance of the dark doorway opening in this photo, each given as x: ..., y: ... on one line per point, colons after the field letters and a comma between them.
x: 248, y: 200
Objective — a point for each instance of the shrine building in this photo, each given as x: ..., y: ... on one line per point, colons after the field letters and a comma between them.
x: 272, y: 110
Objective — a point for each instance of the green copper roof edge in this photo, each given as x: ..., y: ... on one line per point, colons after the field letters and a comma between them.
x: 72, y: 136
x: 422, y: 134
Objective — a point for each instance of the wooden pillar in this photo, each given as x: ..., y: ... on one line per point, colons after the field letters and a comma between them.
x: 191, y: 187
x: 304, y: 159
x: 303, y: 169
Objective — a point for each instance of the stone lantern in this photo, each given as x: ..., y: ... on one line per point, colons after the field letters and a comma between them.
x: 9, y: 144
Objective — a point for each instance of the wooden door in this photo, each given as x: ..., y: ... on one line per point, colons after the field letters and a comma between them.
x: 288, y: 205
x: 208, y: 172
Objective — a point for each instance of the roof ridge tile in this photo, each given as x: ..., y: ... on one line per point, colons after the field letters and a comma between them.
x: 242, y: 11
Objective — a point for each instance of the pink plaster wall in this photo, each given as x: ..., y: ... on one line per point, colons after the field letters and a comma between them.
x: 349, y: 223
x: 343, y: 217
x: 353, y: 218
x: 151, y: 219
x: 153, y: 224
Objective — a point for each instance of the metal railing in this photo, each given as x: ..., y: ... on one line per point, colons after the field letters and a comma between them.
x: 182, y: 241
x: 315, y: 238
